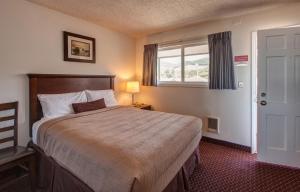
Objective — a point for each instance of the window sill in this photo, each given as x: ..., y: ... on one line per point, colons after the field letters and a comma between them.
x: 192, y: 85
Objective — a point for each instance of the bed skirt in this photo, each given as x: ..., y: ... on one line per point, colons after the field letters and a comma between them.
x: 51, y: 177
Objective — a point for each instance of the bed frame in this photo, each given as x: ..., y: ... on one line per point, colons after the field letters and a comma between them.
x: 61, y: 83
x: 51, y: 176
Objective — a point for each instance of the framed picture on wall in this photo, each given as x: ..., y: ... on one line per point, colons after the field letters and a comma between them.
x: 79, y: 48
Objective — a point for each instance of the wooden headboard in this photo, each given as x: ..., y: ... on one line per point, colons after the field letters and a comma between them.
x: 61, y: 83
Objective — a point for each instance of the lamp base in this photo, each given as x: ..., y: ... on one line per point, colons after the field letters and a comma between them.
x: 132, y: 99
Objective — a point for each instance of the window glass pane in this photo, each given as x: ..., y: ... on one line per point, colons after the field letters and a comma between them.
x: 170, y: 69
x: 169, y: 53
x: 199, y: 49
x: 196, y: 68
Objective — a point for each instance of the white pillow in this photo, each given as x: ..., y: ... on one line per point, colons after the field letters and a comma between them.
x: 108, y: 95
x: 56, y: 105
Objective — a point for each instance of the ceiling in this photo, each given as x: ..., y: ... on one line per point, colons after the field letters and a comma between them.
x: 140, y: 17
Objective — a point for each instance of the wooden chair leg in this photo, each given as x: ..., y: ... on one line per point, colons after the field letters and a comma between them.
x: 32, y: 170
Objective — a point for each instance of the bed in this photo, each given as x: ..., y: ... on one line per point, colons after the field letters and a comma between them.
x: 113, y: 149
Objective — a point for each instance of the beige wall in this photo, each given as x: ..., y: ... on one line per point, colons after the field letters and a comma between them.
x: 233, y: 107
x: 31, y: 42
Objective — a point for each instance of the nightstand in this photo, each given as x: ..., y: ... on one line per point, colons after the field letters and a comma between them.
x: 143, y: 106
x: 17, y: 163
x: 17, y: 169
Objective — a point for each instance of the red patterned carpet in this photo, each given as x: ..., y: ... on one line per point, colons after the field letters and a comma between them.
x: 224, y: 169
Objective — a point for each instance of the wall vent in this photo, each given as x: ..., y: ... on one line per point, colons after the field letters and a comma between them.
x: 213, y: 124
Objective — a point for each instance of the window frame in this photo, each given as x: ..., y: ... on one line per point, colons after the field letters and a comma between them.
x: 181, y: 83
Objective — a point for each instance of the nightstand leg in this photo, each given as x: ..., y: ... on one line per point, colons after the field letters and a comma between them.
x: 32, y: 170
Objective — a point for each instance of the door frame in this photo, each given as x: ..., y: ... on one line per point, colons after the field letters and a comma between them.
x: 254, y: 92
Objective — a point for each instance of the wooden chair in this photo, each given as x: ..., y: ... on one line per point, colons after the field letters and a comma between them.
x: 17, y: 164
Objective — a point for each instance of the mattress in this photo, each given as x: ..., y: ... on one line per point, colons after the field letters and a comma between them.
x: 121, y: 148
x: 35, y: 128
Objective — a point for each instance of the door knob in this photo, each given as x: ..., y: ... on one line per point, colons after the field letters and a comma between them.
x: 263, y: 102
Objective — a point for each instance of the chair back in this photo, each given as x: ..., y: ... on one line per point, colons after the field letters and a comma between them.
x: 8, y: 125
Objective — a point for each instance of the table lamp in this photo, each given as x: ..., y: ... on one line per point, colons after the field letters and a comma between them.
x: 132, y: 87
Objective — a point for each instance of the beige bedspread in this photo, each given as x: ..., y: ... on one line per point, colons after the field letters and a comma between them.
x: 121, y: 148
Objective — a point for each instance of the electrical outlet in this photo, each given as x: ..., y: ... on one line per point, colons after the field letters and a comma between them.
x: 241, y: 84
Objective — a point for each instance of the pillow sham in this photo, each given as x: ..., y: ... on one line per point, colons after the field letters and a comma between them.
x: 89, y: 106
x: 56, y: 105
x: 108, y: 96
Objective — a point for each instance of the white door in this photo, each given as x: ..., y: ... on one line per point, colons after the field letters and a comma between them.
x: 279, y: 96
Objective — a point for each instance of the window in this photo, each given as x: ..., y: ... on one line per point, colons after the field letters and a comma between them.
x: 169, y: 65
x: 183, y: 65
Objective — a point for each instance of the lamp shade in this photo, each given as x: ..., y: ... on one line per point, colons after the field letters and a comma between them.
x: 133, y: 87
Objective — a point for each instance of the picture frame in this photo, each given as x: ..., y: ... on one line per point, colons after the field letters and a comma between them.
x: 79, y: 48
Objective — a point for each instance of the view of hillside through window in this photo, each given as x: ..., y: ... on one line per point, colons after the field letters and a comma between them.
x: 195, y: 64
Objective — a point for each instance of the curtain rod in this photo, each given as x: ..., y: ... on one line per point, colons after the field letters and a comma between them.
x: 203, y: 38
